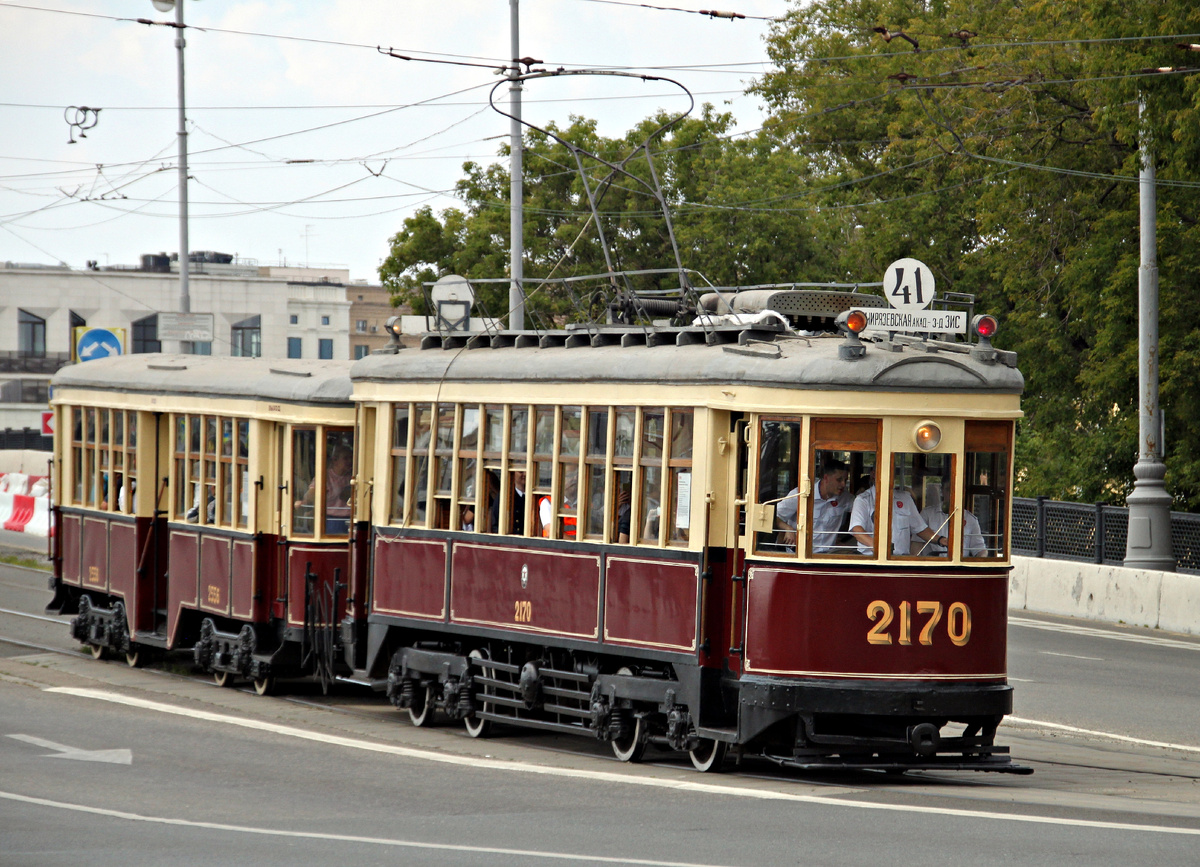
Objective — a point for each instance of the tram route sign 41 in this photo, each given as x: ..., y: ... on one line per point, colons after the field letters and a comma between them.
x: 186, y: 326
x: 927, y: 321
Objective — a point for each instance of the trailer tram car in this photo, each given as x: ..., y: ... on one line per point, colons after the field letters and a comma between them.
x: 187, y: 514
x: 590, y: 532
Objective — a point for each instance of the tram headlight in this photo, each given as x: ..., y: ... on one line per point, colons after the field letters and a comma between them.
x: 392, y: 327
x: 927, y: 435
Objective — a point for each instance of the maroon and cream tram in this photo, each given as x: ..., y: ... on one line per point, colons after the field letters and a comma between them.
x: 187, y: 512
x: 589, y: 531
x: 725, y: 535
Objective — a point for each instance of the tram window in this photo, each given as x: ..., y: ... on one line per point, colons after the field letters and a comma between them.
x: 596, y: 472
x: 543, y: 467
x: 488, y: 520
x: 567, y: 517
x: 778, y: 483
x: 650, y: 464
x: 516, y: 520
x: 339, y: 469
x: 831, y: 501
x: 444, y: 466
x: 921, y: 485
x: 679, y: 487
x: 208, y: 516
x: 468, y: 469
x: 988, y: 446
x: 304, y: 474
x: 625, y: 434
x: 422, y: 436
x: 399, y: 452
x: 77, y: 453
x: 226, y: 515
x: 243, y: 472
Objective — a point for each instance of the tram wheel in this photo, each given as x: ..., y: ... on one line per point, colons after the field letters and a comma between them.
x: 420, y: 712
x: 476, y: 727
x: 223, y: 678
x: 708, y: 755
x: 264, y: 685
x: 632, y: 748
x: 97, y: 651
x: 135, y: 657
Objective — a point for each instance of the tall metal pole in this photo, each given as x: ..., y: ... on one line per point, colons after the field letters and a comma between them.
x: 516, y: 293
x: 1148, y: 544
x: 185, y: 299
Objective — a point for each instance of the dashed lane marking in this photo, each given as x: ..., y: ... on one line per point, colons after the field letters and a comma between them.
x: 628, y: 779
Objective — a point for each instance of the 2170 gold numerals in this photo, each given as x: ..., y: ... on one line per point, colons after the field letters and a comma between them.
x: 958, y: 622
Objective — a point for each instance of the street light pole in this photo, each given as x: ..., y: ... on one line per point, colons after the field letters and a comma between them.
x: 185, y: 300
x: 516, y: 222
x: 1148, y: 542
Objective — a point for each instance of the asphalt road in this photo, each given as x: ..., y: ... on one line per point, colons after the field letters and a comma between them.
x: 223, y: 776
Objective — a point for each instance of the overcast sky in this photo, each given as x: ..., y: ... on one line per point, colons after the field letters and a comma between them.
x: 303, y: 152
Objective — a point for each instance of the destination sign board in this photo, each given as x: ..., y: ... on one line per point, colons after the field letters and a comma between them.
x: 932, y: 321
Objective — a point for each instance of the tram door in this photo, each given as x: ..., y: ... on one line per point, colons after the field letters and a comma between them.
x: 731, y: 634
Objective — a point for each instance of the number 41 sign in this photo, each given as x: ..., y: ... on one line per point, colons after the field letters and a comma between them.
x: 908, y: 285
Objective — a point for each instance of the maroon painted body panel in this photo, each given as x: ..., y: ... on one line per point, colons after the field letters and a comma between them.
x: 122, y: 564
x: 325, y: 560
x: 526, y: 590
x: 214, y: 574
x: 243, y: 580
x: 184, y: 578
x: 841, y: 624
x: 93, y: 554
x: 70, y: 531
x: 651, y: 603
x: 410, y: 577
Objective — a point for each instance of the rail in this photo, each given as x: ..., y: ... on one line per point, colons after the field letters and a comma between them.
x: 1092, y: 533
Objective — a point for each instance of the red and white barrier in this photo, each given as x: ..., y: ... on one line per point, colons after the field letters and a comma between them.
x: 24, y: 504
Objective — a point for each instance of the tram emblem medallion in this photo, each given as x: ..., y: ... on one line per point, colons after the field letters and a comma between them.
x: 524, y: 575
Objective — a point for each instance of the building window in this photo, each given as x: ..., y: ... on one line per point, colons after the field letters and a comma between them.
x: 247, y: 337
x: 361, y: 326
x: 324, y: 320
x: 361, y: 350
x: 33, y: 335
x: 294, y: 347
x: 325, y: 348
x: 294, y: 319
x: 25, y: 391
x: 197, y: 347
x: 77, y: 321
x: 145, y: 334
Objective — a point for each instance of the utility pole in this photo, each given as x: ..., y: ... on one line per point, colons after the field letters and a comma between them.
x: 1148, y: 542
x: 516, y: 222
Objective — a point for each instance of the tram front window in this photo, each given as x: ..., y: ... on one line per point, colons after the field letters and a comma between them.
x: 921, y: 504
x: 339, y: 469
x: 778, y: 483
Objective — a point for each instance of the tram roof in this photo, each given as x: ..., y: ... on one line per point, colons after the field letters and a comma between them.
x: 290, y: 380
x: 769, y: 360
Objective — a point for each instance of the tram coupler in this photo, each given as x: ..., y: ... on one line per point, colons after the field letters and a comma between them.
x: 106, y: 628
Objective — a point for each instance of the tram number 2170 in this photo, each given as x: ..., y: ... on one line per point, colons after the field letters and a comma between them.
x: 881, y: 613
x: 524, y: 611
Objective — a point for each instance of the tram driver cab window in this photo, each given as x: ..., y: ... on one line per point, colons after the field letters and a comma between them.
x: 322, y: 468
x: 778, y: 484
x: 840, y: 509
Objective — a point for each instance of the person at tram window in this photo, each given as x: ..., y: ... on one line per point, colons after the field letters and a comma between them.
x: 830, y: 505
x: 337, y: 480
x: 467, y: 519
x: 624, y: 495
x: 570, y: 488
x: 906, y: 523
x: 935, y: 516
x: 516, y: 507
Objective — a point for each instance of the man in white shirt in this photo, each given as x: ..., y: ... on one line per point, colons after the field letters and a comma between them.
x: 935, y: 516
x: 830, y: 504
x: 906, y: 523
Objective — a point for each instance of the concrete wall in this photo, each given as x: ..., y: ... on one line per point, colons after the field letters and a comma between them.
x: 1162, y: 600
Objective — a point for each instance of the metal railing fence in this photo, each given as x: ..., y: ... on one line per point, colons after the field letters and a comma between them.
x: 1092, y: 533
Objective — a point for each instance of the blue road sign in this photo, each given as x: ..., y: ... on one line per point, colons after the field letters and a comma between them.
x: 97, y: 343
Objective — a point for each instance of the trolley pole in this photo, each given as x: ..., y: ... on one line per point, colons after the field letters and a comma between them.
x: 516, y: 292
x: 1148, y: 544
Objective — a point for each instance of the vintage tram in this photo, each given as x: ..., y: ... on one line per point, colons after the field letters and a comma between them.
x: 652, y: 535
x: 187, y: 514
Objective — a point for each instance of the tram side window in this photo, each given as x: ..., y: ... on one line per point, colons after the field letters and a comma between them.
x: 841, y: 509
x: 399, y: 453
x: 304, y: 475
x: 568, y: 475
x: 625, y: 435
x: 468, y: 466
x: 339, y: 470
x: 421, y: 451
x: 653, y: 439
x: 443, y: 474
x: 492, y: 429
x: 103, y: 458
x: 517, y: 521
x: 985, y: 512
x: 921, y: 504
x: 778, y: 483
x: 679, y: 481
x: 595, y: 473
x: 543, y: 466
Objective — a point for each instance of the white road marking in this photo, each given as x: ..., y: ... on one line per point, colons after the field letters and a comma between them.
x: 1071, y: 655
x: 1092, y: 632
x: 629, y: 779
x: 112, y: 757
x: 346, y: 838
x: 1107, y: 735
